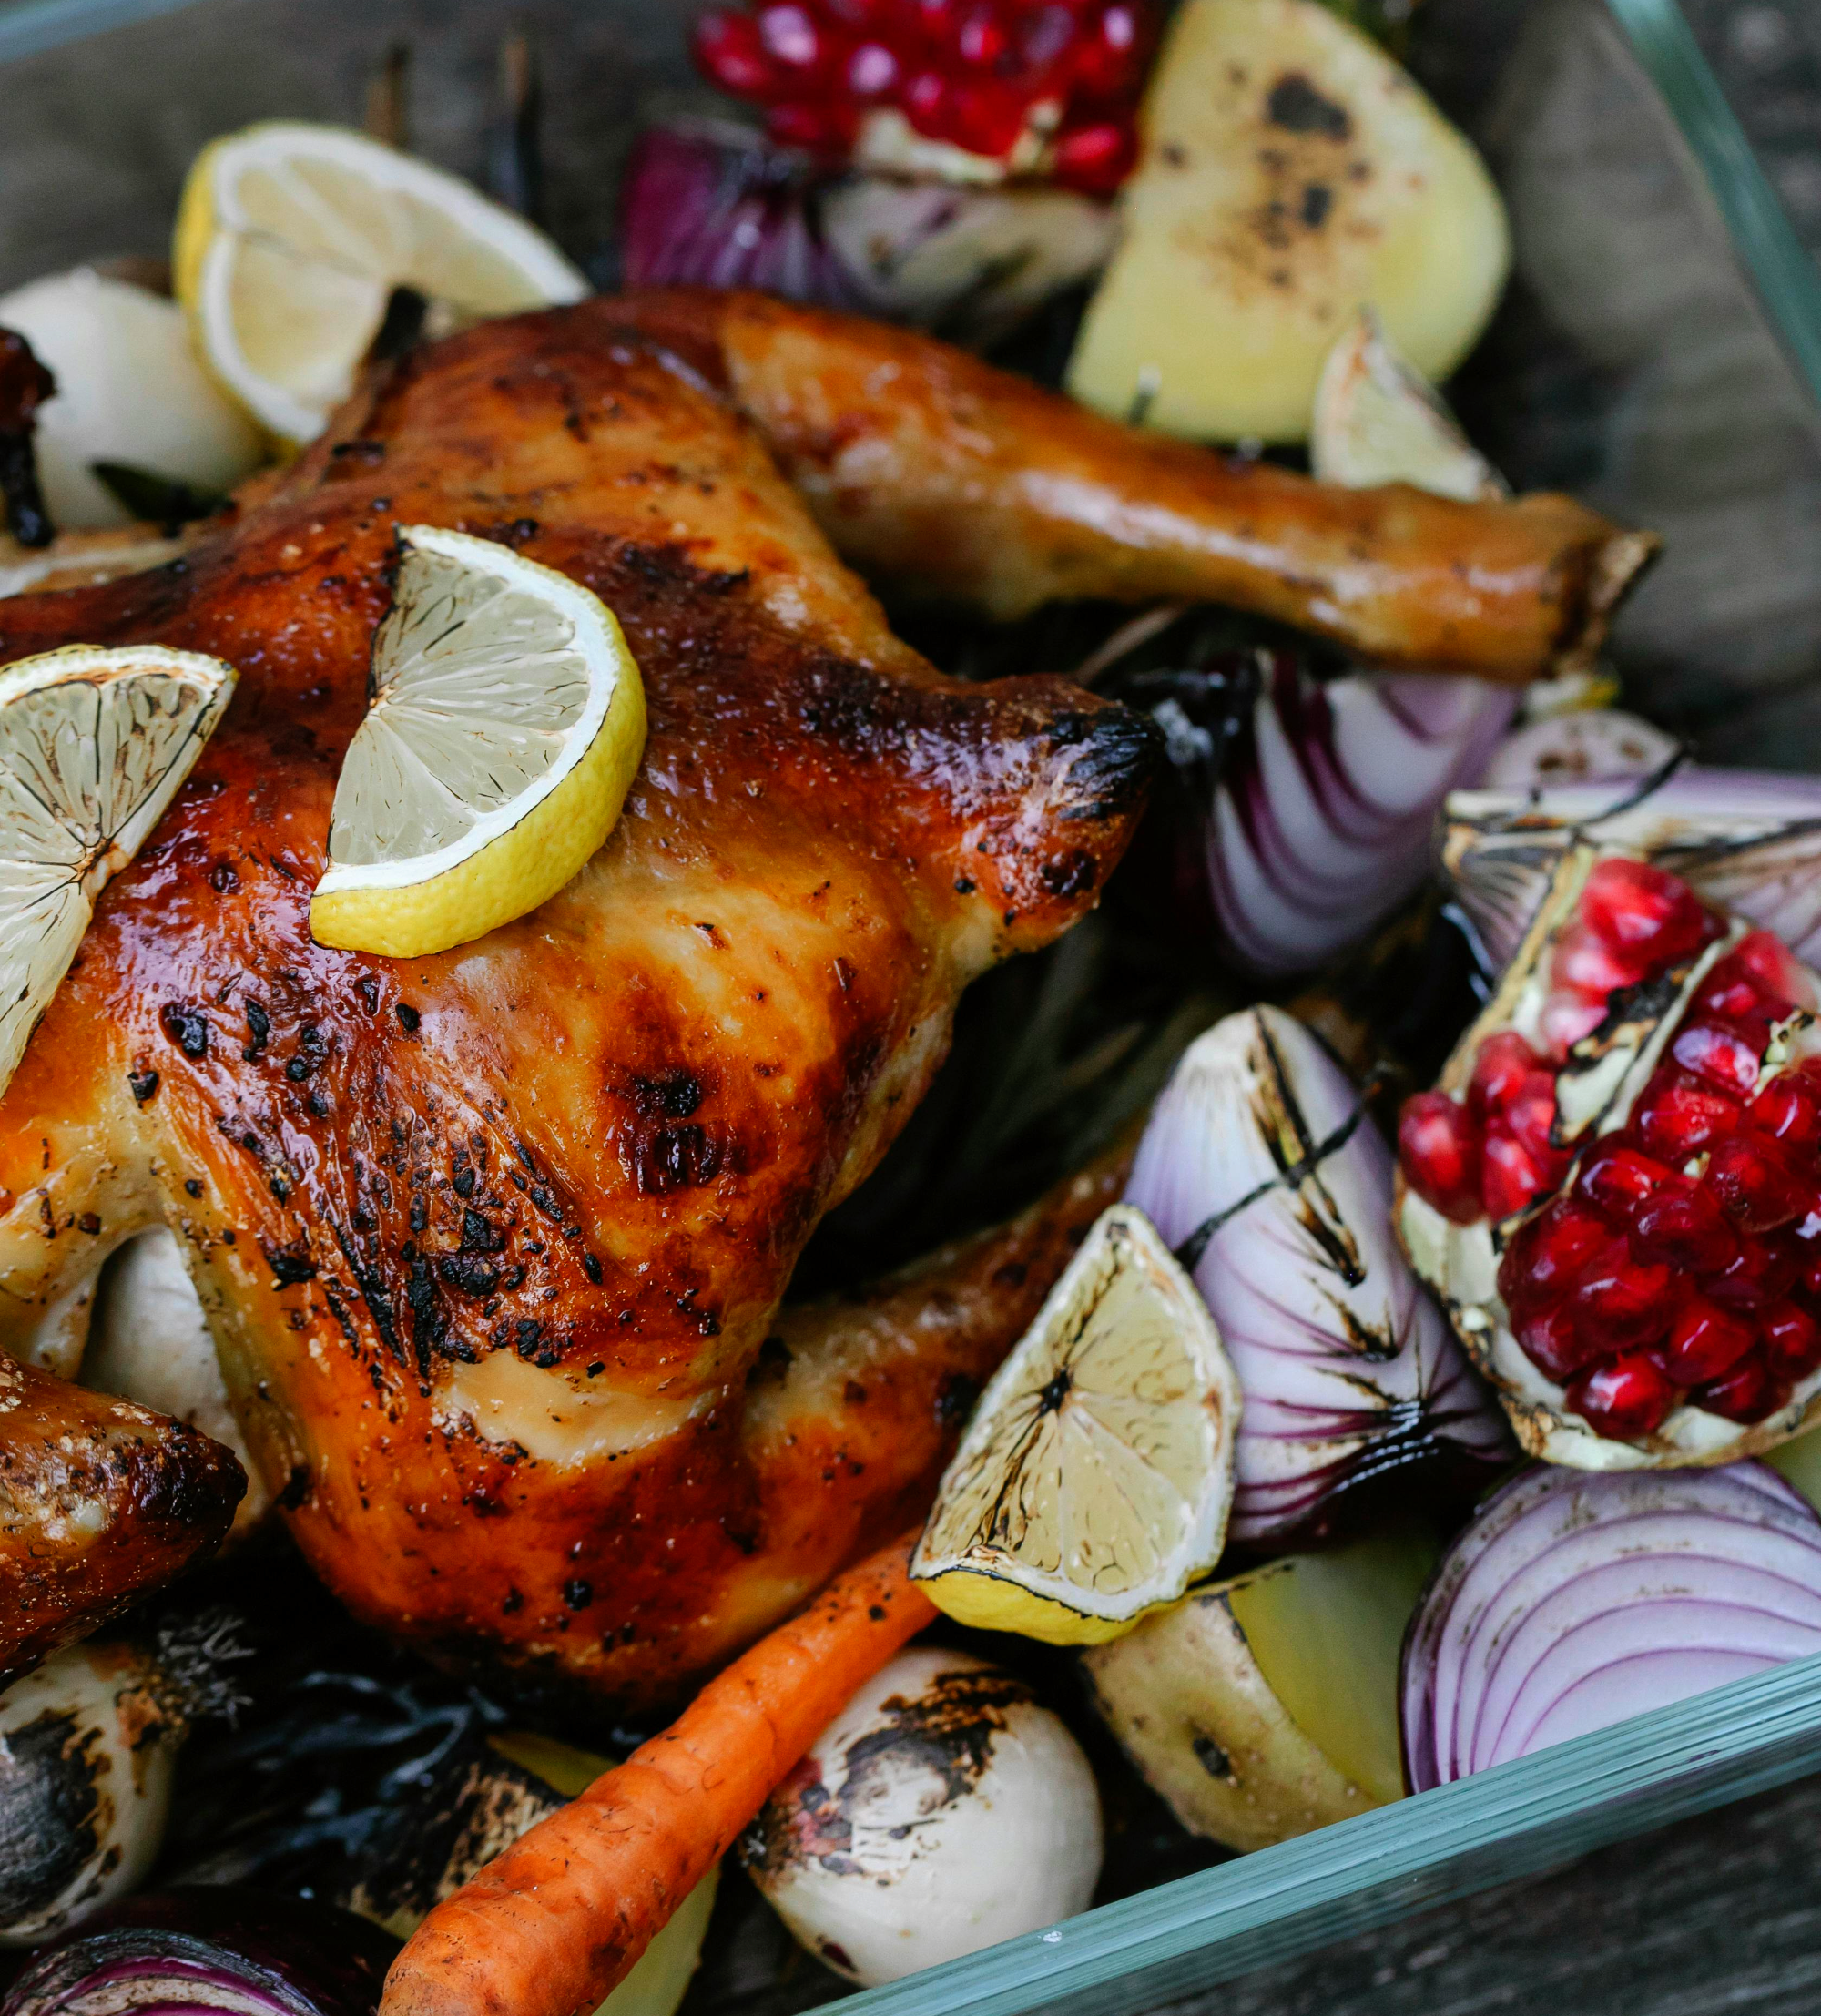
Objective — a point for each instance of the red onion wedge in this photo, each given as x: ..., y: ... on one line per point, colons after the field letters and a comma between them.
x: 707, y: 203
x: 1321, y: 822
x: 1576, y: 1599
x: 241, y: 1952
x: 1260, y: 1165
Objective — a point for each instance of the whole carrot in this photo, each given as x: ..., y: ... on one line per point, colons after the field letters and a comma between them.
x: 549, y: 1926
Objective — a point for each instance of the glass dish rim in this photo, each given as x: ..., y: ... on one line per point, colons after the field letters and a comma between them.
x: 1518, y: 1819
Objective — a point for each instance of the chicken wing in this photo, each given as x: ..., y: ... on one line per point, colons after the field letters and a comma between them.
x: 101, y: 1502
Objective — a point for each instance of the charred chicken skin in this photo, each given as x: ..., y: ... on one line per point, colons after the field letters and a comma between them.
x: 493, y: 1243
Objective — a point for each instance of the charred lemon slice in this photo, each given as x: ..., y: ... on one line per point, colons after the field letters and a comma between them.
x: 93, y: 745
x: 506, y: 723
x: 1095, y: 1480
x: 293, y: 239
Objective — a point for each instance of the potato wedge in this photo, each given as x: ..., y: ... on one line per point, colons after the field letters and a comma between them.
x: 1266, y: 1706
x: 1291, y: 173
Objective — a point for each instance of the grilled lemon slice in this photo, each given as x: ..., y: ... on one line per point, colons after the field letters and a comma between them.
x: 292, y: 240
x: 506, y: 723
x: 1095, y: 1480
x: 93, y: 745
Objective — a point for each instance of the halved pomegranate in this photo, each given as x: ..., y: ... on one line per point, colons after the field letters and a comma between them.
x: 1616, y: 1186
x: 973, y: 89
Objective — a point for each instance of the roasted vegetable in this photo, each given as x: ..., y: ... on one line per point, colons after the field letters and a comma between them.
x: 1262, y: 1167
x: 1572, y: 1602
x: 708, y: 204
x: 1290, y: 172
x: 89, y: 1742
x: 502, y: 1787
x: 944, y: 1809
x: 1266, y: 1706
x: 192, y: 1950
x: 130, y: 393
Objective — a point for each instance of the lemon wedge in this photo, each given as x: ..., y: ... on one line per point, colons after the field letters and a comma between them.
x: 1095, y: 1480
x: 507, y: 721
x: 292, y: 240
x: 93, y: 745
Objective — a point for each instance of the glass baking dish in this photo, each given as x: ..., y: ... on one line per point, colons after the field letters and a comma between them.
x: 1614, y: 369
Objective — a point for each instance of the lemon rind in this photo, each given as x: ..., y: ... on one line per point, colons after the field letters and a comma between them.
x: 990, y: 1589
x: 210, y: 226
x: 521, y: 855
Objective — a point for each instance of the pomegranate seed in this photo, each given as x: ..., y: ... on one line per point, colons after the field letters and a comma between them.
x: 1619, y: 1179
x: 1720, y: 1055
x: 1530, y: 1113
x: 1620, y: 1302
x: 1511, y: 1177
x: 1045, y: 38
x: 1792, y: 1341
x: 817, y: 129
x: 981, y: 36
x: 1095, y: 158
x: 1683, y: 1228
x: 924, y: 101
x: 728, y: 53
x: 1624, y: 1399
x: 1768, y: 960
x: 1644, y: 912
x: 873, y: 71
x: 1565, y: 1019
x: 1788, y: 1110
x: 1676, y: 1118
x: 987, y: 118
x: 1545, y: 1258
x: 1107, y: 60
x: 1703, y: 1341
x: 1504, y: 1061
x: 1755, y: 1184
x: 1764, y: 1271
x: 1747, y: 1394
x: 1732, y: 990
x: 1553, y: 1343
x: 792, y: 37
x: 1808, y: 1273
x: 933, y: 21
x: 1438, y: 1146
x: 1587, y: 965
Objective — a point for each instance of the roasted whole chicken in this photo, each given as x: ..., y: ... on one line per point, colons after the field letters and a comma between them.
x: 492, y: 1244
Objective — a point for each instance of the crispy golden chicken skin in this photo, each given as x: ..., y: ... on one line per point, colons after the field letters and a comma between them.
x: 493, y: 1243
x: 101, y: 1502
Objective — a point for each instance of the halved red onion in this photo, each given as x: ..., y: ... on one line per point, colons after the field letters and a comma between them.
x: 1575, y: 1599
x: 1260, y: 1165
x: 236, y: 1952
x: 1322, y: 817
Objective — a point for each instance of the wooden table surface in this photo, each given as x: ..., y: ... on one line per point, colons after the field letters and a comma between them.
x: 1720, y: 1914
